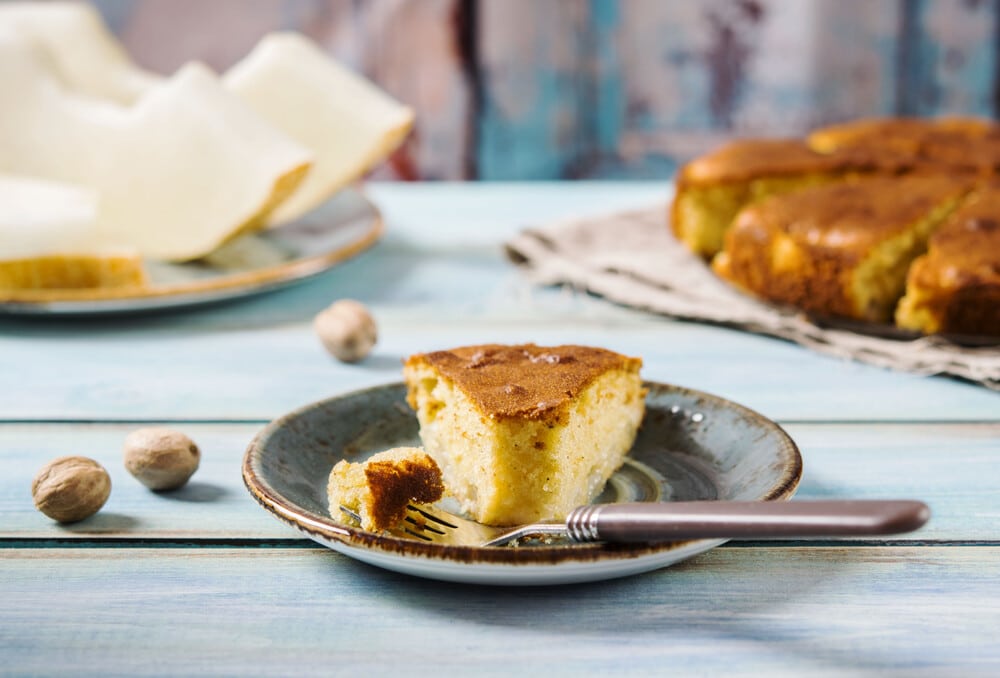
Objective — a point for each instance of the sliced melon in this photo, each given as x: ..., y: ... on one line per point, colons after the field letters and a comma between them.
x: 52, y: 240
x: 183, y: 170
x: 347, y: 123
x: 350, y: 124
x: 45, y: 217
x: 85, y: 54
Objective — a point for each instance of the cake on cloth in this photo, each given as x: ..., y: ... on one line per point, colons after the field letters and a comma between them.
x: 832, y: 223
x: 525, y: 432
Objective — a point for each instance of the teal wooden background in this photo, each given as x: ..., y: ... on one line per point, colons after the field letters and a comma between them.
x: 523, y: 89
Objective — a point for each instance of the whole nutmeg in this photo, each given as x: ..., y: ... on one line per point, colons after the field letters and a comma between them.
x: 69, y: 489
x: 347, y: 330
x: 161, y: 458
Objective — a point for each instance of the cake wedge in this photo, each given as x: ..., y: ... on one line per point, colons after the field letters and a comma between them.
x: 955, y: 287
x: 524, y: 432
x: 838, y: 250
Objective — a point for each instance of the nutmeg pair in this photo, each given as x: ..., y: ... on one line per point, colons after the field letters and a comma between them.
x: 69, y: 489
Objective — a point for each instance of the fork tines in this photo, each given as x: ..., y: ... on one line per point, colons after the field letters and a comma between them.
x: 419, y: 523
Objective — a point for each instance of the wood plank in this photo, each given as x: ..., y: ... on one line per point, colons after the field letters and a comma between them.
x: 693, y: 74
x: 948, y: 60
x: 913, y: 611
x: 635, y: 88
x: 532, y: 73
x: 258, y: 373
x: 948, y: 466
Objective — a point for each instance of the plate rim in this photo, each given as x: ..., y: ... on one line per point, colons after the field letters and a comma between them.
x: 68, y: 301
x: 325, y: 530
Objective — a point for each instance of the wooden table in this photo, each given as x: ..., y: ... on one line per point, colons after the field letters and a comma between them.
x: 204, y: 581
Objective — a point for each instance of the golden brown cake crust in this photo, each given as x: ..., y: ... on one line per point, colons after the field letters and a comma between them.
x: 801, y: 247
x: 954, y: 144
x: 851, y: 217
x: 394, y: 484
x: 507, y: 382
x: 748, y: 159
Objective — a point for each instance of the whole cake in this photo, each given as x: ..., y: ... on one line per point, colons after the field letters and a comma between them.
x: 833, y: 223
x: 525, y: 432
x: 379, y: 489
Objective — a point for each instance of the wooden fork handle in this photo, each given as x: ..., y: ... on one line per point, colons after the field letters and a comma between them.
x: 671, y: 521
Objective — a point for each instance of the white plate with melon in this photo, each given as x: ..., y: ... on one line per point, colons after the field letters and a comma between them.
x: 121, y: 189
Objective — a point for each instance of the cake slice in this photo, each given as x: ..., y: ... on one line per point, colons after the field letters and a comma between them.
x: 379, y: 489
x: 839, y: 250
x: 525, y: 433
x: 712, y: 189
x: 955, y: 287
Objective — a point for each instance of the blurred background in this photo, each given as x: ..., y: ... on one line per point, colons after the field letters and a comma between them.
x: 575, y: 89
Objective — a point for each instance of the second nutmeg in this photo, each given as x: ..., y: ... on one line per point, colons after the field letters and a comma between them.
x: 161, y: 458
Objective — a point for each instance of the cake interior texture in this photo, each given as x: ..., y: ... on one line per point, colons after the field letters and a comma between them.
x: 525, y: 433
x: 379, y: 489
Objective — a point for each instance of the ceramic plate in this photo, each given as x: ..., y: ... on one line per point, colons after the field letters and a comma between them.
x: 692, y: 446
x: 255, y: 263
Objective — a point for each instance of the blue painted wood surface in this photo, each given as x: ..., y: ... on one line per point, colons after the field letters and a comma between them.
x: 518, y: 89
x: 135, y: 369
x: 868, y: 461
x: 203, y: 581
x: 913, y: 611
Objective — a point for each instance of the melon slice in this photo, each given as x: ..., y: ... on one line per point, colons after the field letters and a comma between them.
x: 348, y: 123
x: 85, y: 54
x: 52, y: 240
x: 186, y: 168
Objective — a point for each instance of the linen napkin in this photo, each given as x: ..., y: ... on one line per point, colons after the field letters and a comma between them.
x: 631, y: 258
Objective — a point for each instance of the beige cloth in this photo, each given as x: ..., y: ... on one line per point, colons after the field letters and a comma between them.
x: 632, y: 259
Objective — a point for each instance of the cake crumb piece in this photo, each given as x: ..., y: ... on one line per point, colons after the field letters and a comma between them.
x: 379, y: 489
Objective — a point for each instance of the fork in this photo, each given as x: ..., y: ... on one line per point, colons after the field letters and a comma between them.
x: 672, y: 521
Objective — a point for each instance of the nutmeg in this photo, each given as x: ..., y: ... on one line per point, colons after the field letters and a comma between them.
x: 346, y: 330
x: 69, y: 489
x: 161, y: 458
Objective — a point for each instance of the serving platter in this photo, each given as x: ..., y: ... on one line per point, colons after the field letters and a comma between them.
x: 251, y: 264
x: 691, y: 446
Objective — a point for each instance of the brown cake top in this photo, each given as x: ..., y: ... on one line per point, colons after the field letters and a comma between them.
x: 747, y: 159
x: 965, y: 250
x: 751, y: 158
x: 852, y: 216
x: 396, y: 483
x: 524, y: 381
x: 951, y: 143
x: 901, y: 134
